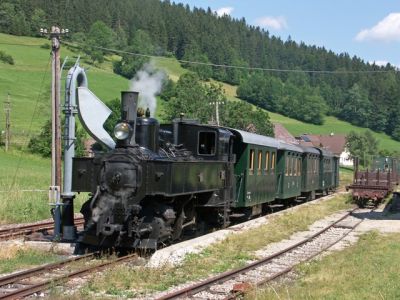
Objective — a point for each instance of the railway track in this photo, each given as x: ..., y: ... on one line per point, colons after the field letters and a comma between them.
x: 233, y: 284
x: 29, y: 282
x: 17, y: 231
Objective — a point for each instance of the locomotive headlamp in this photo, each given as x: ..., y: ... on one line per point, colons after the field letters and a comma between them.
x: 122, y: 131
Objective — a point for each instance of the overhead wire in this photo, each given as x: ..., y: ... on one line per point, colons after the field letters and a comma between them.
x: 31, y: 122
x: 80, y: 46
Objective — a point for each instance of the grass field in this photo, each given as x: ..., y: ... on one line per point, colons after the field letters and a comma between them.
x: 366, y: 270
x: 24, y: 184
x: 14, y: 257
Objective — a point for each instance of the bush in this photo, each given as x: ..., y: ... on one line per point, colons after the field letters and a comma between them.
x: 41, y: 143
x: 6, y: 58
x: 45, y: 46
x: 2, y: 134
x: 129, y: 65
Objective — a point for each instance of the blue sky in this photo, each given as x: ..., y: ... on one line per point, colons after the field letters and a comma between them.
x: 369, y: 29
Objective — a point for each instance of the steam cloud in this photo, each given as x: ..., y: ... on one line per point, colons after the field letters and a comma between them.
x: 148, y: 82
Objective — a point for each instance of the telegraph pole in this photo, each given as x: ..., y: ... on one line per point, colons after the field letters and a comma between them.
x: 55, y: 115
x: 217, y: 104
x: 217, y: 111
x: 55, y: 187
x: 8, y: 123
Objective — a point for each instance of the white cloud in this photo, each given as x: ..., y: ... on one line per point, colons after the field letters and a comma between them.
x: 386, y: 30
x: 383, y: 63
x: 379, y: 62
x: 276, y: 23
x: 224, y: 11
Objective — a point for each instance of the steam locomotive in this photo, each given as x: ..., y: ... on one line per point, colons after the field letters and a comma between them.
x: 161, y: 179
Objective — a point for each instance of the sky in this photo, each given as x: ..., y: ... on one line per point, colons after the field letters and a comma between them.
x: 369, y: 29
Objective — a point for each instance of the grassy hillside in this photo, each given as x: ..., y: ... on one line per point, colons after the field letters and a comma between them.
x: 295, y: 127
x: 28, y: 82
x: 331, y: 125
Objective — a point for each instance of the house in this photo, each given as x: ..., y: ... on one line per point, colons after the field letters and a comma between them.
x: 335, y: 143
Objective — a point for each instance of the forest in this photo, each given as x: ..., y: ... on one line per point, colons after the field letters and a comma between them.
x: 349, y: 88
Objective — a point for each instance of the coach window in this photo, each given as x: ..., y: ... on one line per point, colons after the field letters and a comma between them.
x: 294, y: 166
x: 266, y: 168
x: 291, y: 167
x: 298, y: 167
x: 259, y: 162
x: 287, y: 166
x: 273, y: 161
x: 206, y: 143
x: 251, y: 162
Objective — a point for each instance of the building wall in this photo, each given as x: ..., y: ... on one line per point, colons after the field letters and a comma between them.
x: 345, y: 159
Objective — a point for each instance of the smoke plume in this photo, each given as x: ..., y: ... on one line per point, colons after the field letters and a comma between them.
x: 148, y: 82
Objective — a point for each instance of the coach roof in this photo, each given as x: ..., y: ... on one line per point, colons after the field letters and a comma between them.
x: 255, y: 139
x: 290, y: 147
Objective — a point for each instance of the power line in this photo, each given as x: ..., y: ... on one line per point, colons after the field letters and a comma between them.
x: 80, y: 46
x: 7, y: 110
x: 18, y: 44
x: 31, y: 122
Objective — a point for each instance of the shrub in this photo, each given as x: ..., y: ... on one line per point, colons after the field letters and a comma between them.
x: 45, y: 46
x: 41, y: 143
x: 6, y: 58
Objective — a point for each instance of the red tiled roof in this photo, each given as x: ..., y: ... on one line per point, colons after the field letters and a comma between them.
x: 335, y: 143
x: 281, y: 133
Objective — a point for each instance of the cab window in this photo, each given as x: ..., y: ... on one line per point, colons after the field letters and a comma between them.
x: 207, y: 141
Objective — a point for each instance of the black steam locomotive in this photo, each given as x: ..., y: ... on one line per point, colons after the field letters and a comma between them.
x: 161, y: 179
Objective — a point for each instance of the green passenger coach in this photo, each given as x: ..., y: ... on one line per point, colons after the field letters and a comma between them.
x: 326, y: 171
x: 255, y: 169
x: 310, y: 172
x: 289, y: 166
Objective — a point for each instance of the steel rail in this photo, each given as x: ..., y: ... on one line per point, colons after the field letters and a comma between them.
x: 31, y: 289
x: 203, y: 285
x: 14, y: 277
x: 289, y: 269
x: 7, y: 233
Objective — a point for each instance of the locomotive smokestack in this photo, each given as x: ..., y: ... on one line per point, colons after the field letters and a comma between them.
x: 129, y: 101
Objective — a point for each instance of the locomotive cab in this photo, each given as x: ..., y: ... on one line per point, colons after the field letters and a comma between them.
x: 204, y: 142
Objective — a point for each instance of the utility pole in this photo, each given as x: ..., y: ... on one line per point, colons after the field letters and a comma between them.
x: 8, y: 122
x: 217, y: 104
x: 55, y: 187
